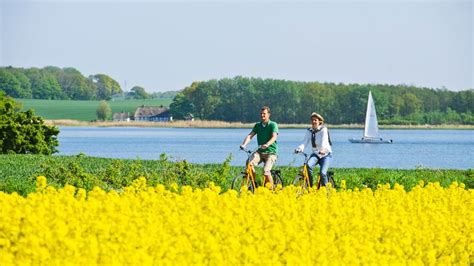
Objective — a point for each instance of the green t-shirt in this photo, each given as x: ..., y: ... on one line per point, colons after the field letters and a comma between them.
x: 264, y: 134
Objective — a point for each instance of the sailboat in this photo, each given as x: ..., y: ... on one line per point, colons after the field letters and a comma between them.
x: 371, y: 129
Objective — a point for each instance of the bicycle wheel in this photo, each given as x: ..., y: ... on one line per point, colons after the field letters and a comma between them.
x: 331, y: 180
x: 277, y: 180
x: 300, y: 184
x: 241, y: 181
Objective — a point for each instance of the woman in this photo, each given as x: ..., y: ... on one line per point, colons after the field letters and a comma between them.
x: 318, y: 136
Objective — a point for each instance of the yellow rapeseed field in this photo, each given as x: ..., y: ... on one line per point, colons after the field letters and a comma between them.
x: 152, y: 225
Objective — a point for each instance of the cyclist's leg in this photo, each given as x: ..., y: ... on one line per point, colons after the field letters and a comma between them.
x: 269, y: 160
x: 312, y: 162
x: 323, y: 170
x: 254, y: 161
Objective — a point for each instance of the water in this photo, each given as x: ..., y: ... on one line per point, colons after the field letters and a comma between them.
x: 448, y: 149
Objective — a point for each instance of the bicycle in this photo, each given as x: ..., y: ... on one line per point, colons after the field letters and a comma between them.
x: 247, y: 178
x: 303, y: 182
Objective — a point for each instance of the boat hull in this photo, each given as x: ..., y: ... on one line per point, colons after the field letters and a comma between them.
x: 372, y: 140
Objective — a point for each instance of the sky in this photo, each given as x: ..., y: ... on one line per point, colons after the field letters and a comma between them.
x: 164, y: 46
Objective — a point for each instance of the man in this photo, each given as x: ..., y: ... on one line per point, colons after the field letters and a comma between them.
x: 318, y: 136
x: 267, y: 132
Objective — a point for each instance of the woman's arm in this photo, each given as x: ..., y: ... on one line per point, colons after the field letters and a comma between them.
x: 324, y: 141
x: 305, y: 142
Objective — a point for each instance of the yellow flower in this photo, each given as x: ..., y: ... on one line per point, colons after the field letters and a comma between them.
x: 174, y: 187
x: 40, y: 183
x: 152, y: 225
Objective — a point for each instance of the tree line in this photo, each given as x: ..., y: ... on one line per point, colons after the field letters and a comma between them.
x: 240, y: 98
x: 54, y: 83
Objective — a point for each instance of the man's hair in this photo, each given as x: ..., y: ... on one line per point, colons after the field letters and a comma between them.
x: 265, y: 108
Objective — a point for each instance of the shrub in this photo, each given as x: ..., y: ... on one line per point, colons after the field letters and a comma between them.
x: 23, y: 132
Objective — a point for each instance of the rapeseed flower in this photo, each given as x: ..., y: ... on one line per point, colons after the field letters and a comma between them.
x: 153, y: 225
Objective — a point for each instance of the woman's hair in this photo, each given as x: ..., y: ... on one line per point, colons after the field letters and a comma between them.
x: 318, y: 116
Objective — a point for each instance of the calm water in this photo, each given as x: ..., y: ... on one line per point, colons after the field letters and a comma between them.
x: 411, y: 148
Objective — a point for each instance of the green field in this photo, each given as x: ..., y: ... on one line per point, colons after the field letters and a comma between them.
x: 83, y: 110
x: 18, y: 173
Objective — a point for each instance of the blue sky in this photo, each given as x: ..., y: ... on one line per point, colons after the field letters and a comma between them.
x: 167, y: 45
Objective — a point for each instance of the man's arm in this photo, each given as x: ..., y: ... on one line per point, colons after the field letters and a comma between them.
x: 247, y: 139
x: 270, y: 142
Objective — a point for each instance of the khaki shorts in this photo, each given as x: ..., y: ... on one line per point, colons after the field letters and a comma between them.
x: 268, y: 158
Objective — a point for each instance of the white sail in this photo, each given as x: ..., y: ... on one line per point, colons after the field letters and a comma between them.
x: 371, y: 129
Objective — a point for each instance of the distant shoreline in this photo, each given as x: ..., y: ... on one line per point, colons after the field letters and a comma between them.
x: 222, y: 124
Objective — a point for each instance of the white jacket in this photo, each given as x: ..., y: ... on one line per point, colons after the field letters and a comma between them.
x: 322, y: 141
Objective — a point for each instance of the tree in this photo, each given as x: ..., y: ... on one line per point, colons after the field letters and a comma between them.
x: 106, y: 86
x: 411, y: 104
x: 44, y: 85
x: 9, y: 84
x: 103, y: 111
x: 24, y: 84
x: 181, y: 107
x: 74, y: 85
x: 206, y: 99
x: 23, y: 132
x: 140, y: 93
x: 463, y: 101
x: 164, y: 95
x: 24, y: 91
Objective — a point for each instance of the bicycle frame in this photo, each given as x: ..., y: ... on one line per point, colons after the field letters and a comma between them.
x: 305, y: 169
x: 305, y: 173
x: 250, y: 175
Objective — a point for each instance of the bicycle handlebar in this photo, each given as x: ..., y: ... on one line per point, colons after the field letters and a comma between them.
x: 306, y: 156
x: 246, y: 150
x: 250, y: 151
x: 302, y: 153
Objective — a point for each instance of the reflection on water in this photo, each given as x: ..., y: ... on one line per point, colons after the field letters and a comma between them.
x: 411, y: 148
